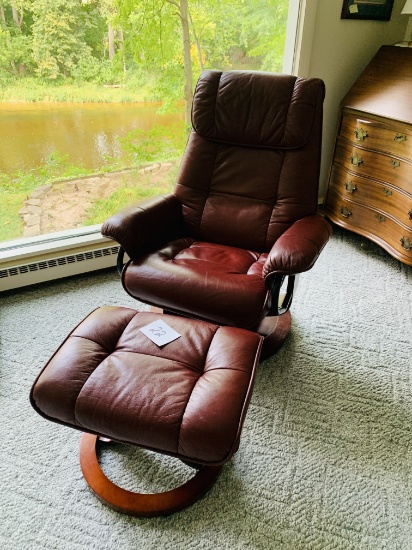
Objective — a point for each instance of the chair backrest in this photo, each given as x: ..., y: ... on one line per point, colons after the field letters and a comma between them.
x: 251, y: 166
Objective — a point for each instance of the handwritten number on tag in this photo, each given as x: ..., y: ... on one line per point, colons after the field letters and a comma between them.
x: 157, y: 331
x: 160, y: 332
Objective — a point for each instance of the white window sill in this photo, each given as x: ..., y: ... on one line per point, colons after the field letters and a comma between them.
x: 43, y: 258
x: 43, y: 247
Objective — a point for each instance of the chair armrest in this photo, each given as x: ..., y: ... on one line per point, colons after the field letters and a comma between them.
x: 145, y: 226
x: 298, y: 248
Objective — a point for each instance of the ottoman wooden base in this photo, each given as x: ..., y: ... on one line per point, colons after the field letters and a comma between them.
x: 187, y: 399
x: 142, y: 504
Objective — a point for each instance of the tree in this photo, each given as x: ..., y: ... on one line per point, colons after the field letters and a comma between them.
x: 164, y: 43
x: 15, y: 44
x: 183, y: 13
x: 15, y: 52
x: 152, y: 39
x: 58, y: 36
x: 158, y: 35
x: 266, y: 32
x: 96, y: 29
x: 18, y: 13
x: 217, y: 31
x: 174, y: 39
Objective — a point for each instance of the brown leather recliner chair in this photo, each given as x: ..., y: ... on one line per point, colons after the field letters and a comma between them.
x: 243, y: 213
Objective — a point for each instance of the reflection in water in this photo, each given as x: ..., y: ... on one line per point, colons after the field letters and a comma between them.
x: 102, y: 146
x: 87, y: 132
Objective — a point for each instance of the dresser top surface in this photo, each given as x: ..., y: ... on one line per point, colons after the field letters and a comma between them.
x: 385, y: 86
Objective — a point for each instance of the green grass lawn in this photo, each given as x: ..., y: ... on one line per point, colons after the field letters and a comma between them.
x: 31, y: 90
x: 134, y: 189
x: 11, y: 225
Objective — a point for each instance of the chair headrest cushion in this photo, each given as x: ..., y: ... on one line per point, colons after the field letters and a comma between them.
x: 256, y: 109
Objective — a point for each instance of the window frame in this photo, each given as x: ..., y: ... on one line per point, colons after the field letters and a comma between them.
x: 298, y: 43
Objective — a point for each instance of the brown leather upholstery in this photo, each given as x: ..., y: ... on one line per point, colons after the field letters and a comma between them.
x: 243, y: 213
x: 187, y: 399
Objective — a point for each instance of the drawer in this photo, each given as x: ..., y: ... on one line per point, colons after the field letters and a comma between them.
x: 388, y: 137
x: 379, y: 166
x: 372, y: 193
x: 381, y: 229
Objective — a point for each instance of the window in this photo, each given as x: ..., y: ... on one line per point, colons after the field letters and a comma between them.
x: 89, y: 128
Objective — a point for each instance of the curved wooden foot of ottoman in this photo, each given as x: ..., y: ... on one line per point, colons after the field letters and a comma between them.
x: 142, y: 504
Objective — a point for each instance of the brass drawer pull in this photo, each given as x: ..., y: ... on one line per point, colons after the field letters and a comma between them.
x: 356, y: 160
x: 345, y: 212
x: 406, y: 243
x: 380, y: 218
x: 387, y: 192
x: 350, y: 187
x: 400, y: 137
x: 395, y: 163
x: 361, y: 134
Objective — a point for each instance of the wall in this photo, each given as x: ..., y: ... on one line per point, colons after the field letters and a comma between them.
x: 339, y: 51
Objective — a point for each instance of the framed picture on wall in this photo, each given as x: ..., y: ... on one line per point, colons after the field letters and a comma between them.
x: 367, y: 9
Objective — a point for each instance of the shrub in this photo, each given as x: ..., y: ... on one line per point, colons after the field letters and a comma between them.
x: 87, y: 69
x: 158, y: 144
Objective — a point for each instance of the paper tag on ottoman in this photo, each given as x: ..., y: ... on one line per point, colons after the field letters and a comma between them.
x: 160, y: 332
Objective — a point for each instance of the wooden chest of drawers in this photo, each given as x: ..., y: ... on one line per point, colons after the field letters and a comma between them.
x: 370, y: 180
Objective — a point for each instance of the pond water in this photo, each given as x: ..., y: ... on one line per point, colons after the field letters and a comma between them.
x: 87, y: 132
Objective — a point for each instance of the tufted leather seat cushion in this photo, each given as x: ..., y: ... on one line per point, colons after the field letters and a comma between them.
x: 187, y: 399
x: 224, y: 280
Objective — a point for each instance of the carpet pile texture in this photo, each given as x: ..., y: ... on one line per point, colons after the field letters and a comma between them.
x: 325, y: 460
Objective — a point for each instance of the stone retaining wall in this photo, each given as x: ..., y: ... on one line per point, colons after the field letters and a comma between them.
x: 63, y: 204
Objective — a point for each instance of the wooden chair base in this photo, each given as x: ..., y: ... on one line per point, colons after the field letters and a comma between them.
x: 142, y: 504
x: 275, y: 331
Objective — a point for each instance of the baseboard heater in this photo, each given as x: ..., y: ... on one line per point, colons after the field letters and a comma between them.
x: 57, y: 268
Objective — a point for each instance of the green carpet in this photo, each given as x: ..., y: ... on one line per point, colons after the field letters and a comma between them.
x: 325, y: 460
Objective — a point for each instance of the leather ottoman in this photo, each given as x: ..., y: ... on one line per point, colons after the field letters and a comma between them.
x: 187, y: 399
